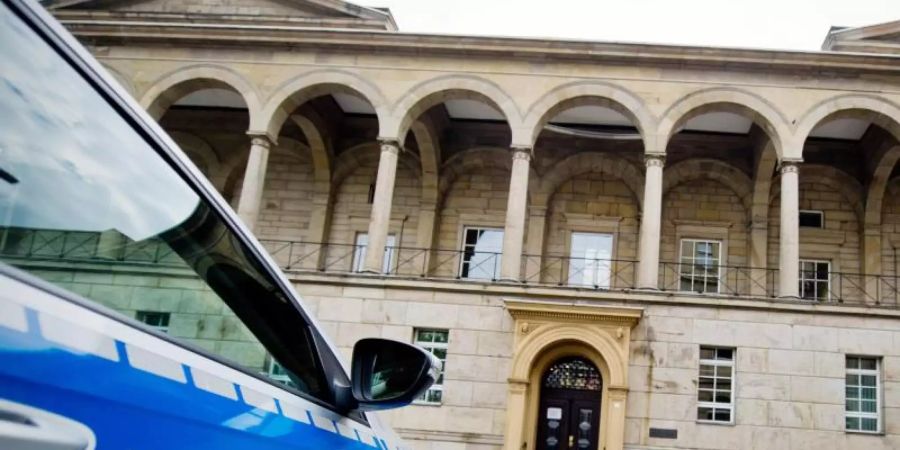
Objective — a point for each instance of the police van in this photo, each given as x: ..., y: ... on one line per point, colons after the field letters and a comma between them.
x: 136, y: 311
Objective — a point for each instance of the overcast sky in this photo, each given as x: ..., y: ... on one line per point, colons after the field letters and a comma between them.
x: 775, y: 24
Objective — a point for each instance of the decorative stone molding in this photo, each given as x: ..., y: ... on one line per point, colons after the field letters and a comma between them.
x: 789, y: 165
x: 261, y: 139
x: 390, y: 145
x: 547, y: 331
x: 655, y: 159
x: 524, y: 153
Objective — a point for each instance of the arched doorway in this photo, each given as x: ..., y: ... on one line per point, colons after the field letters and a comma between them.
x: 569, y: 413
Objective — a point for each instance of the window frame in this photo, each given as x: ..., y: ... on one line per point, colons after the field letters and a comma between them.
x: 815, y: 281
x: 358, y: 260
x: 714, y: 405
x: 462, y: 256
x: 75, y: 56
x: 817, y: 212
x: 429, y: 346
x: 142, y: 316
x: 611, y: 261
x: 681, y: 262
x: 879, y: 404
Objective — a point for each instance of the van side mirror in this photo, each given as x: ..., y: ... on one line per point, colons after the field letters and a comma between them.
x: 388, y: 374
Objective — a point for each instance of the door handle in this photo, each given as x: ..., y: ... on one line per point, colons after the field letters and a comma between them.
x: 571, y: 441
x: 24, y: 427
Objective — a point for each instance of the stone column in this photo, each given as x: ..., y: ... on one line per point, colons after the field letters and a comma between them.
x: 871, y: 262
x: 425, y: 238
x: 789, y: 243
x: 313, y: 250
x: 648, y: 264
x: 250, y: 202
x: 534, y: 244
x: 516, y: 206
x: 516, y: 405
x: 381, y: 205
x: 615, y: 425
x: 759, y: 240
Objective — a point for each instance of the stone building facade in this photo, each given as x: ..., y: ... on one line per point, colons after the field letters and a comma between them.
x: 700, y: 241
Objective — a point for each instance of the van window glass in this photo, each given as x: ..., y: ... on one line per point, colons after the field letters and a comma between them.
x: 88, y: 204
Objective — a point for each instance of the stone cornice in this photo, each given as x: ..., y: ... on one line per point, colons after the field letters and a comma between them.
x: 559, y: 311
x: 101, y: 32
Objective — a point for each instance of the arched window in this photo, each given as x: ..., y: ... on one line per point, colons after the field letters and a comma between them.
x: 573, y: 373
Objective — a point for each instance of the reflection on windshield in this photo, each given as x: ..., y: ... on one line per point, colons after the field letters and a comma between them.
x: 87, y: 204
x: 54, y: 127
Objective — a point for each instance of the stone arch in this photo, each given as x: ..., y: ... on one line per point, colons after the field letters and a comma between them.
x: 171, y: 87
x: 604, y: 351
x: 123, y: 81
x: 437, y: 90
x: 360, y: 155
x: 297, y: 91
x: 734, y: 100
x: 477, y: 158
x: 762, y: 183
x: 313, y: 128
x: 880, y: 111
x: 837, y: 180
x: 587, y: 162
x: 881, y: 176
x: 584, y: 93
x: 198, y: 147
x: 428, y: 141
x: 712, y: 169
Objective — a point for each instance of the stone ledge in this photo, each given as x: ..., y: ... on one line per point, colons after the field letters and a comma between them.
x: 624, y: 297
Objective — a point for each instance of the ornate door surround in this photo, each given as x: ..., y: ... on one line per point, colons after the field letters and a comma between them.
x: 547, y: 331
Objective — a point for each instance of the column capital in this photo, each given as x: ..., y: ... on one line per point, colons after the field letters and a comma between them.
x: 654, y: 159
x: 390, y: 145
x: 518, y: 152
x: 789, y: 165
x: 262, y: 139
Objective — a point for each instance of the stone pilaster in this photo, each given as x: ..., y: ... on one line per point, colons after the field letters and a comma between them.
x: 759, y: 241
x: 648, y: 264
x: 250, y: 202
x: 516, y: 206
x: 789, y: 243
x: 381, y: 205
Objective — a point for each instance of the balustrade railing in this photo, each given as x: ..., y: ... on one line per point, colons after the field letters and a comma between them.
x: 841, y: 288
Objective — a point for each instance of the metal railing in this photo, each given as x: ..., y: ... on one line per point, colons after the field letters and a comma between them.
x: 549, y: 270
x: 718, y: 279
x: 590, y: 273
x: 83, y: 246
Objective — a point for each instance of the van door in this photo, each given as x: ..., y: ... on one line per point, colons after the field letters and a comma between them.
x: 132, y: 308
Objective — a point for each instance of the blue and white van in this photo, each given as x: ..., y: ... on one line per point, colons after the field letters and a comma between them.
x: 136, y: 312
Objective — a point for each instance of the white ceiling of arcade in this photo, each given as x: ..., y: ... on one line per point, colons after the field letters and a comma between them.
x: 718, y: 122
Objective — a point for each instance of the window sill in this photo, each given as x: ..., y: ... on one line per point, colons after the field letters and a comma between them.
x: 866, y: 433
x: 421, y: 403
x: 717, y: 423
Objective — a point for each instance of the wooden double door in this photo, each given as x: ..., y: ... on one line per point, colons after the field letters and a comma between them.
x: 569, y: 411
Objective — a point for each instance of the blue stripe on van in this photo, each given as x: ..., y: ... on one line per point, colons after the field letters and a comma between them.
x: 133, y: 409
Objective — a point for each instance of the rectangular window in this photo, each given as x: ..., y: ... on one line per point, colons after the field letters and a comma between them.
x: 158, y: 320
x: 277, y: 372
x: 481, y: 253
x: 715, y: 394
x: 700, y: 265
x: 434, y: 341
x: 590, y: 263
x: 863, y: 394
x: 359, y: 252
x: 815, y: 280
x: 812, y: 219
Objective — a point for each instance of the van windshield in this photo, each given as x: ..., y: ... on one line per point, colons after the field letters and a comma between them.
x: 87, y: 204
